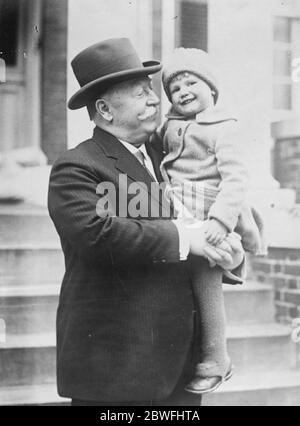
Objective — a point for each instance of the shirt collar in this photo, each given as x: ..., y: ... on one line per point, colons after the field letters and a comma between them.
x: 133, y: 149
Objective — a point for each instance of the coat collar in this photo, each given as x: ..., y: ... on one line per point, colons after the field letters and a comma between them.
x: 209, y: 116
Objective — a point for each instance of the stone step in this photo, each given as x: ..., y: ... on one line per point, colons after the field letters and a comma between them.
x: 249, y: 303
x: 258, y: 347
x: 268, y: 388
x: 32, y: 309
x: 271, y: 388
x: 45, y: 394
x: 28, y: 310
x: 28, y: 359
x: 32, y: 263
x: 24, y: 222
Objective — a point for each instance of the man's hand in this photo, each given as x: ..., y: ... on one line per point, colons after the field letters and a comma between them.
x: 197, y: 238
x: 229, y: 254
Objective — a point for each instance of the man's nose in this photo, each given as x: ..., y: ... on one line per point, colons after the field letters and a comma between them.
x: 153, y: 98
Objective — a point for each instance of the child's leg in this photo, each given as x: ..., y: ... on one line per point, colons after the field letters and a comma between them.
x: 250, y: 226
x: 213, y: 359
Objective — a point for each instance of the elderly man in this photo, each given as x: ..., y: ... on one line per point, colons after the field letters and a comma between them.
x: 125, y: 323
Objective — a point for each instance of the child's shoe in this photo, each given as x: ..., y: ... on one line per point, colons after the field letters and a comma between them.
x: 202, y: 385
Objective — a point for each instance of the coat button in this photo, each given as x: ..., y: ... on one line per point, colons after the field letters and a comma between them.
x: 180, y: 132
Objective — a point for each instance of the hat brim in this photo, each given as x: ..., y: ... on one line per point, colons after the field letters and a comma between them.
x: 81, y: 98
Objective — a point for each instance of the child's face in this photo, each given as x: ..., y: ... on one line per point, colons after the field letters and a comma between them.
x: 190, y: 95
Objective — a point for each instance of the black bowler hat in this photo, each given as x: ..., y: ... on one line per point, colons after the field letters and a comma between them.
x: 104, y: 64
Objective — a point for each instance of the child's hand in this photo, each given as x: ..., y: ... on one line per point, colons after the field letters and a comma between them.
x: 215, y: 232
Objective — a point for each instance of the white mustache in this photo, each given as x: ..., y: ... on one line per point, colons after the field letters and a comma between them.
x: 150, y: 114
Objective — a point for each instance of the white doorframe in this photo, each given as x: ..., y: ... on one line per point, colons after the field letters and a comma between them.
x: 32, y: 74
x: 168, y: 39
x: 20, y: 94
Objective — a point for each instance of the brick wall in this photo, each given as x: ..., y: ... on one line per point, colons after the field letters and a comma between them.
x: 287, y: 164
x: 281, y: 269
x: 54, y: 78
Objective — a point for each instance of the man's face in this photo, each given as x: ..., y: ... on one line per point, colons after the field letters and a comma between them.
x: 134, y: 108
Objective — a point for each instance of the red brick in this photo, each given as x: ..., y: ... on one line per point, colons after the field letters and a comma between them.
x: 292, y: 296
x: 293, y: 312
x: 279, y: 282
x: 282, y: 310
x: 292, y: 270
x: 292, y: 284
x: 277, y: 268
x: 262, y: 266
x: 260, y: 277
x: 284, y: 254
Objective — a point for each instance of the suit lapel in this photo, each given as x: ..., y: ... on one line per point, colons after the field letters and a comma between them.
x: 127, y: 163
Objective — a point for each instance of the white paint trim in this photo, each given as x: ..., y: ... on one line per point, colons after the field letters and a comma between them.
x: 32, y: 74
x: 145, y: 27
x: 167, y: 39
x: 286, y: 8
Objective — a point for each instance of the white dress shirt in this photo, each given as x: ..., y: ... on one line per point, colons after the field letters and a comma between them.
x: 184, y: 244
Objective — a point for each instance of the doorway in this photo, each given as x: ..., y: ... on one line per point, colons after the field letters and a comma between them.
x: 20, y: 33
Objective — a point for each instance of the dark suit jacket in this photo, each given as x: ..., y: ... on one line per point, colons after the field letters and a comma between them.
x: 125, y: 315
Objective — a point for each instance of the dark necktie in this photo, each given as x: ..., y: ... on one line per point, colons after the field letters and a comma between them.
x: 141, y: 157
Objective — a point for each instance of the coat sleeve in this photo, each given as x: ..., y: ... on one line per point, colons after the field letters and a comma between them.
x: 232, y: 189
x: 72, y: 202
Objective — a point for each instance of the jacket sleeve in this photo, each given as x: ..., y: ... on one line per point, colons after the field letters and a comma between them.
x: 73, y: 202
x: 232, y: 189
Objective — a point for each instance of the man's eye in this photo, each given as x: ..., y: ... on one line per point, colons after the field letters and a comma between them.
x: 176, y: 89
x: 191, y: 83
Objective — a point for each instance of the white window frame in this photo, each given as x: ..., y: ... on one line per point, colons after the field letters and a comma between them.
x: 290, y: 10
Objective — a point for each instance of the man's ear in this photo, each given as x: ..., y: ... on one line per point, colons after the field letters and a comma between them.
x: 102, y: 108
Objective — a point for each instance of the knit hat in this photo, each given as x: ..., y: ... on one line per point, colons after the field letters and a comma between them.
x: 196, y: 61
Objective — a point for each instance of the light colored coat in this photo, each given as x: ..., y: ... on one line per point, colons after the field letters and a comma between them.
x: 206, y: 152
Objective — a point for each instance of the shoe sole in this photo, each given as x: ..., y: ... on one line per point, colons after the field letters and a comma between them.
x: 214, y: 388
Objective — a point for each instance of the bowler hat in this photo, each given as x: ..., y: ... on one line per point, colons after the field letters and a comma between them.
x: 104, y: 64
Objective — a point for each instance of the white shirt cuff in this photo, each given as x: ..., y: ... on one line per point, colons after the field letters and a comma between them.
x: 184, y: 242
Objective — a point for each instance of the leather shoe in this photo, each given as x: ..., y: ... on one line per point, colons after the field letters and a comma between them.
x: 202, y: 385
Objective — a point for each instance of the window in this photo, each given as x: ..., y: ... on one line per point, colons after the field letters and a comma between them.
x: 283, y: 29
x: 9, y: 20
x: 191, y: 28
x: 282, y: 96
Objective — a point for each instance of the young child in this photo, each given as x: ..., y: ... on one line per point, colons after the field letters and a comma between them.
x: 206, y: 176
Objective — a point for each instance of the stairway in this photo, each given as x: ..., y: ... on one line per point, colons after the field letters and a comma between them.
x: 31, y: 268
x: 261, y: 350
